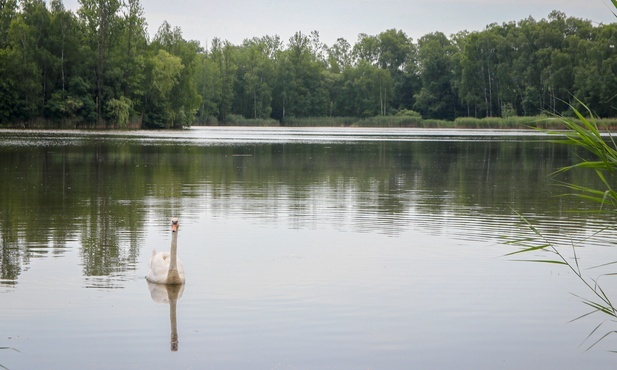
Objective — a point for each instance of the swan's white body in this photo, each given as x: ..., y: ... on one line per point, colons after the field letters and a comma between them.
x: 160, y: 272
x: 165, y: 267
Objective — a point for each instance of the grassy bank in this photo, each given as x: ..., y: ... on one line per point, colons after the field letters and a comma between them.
x: 518, y: 123
x: 544, y: 122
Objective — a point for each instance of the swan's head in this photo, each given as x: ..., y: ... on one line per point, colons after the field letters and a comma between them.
x: 174, y: 225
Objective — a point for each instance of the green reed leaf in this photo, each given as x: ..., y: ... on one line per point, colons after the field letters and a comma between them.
x: 545, y: 261
x: 601, y: 339
x: 529, y: 249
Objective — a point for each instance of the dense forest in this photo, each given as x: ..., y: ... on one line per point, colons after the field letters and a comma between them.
x: 98, y: 67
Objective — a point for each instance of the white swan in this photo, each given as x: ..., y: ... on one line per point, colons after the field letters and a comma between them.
x: 165, y: 267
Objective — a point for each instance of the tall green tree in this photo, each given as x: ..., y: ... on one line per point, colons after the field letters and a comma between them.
x: 101, y: 32
x: 164, y: 75
x: 340, y: 56
x: 300, y: 89
x: 397, y: 55
x: 436, y: 98
x: 183, y: 101
x: 208, y: 80
x: 223, y: 54
x: 595, y: 80
x: 132, y: 52
x: 70, y: 101
x: 255, y: 78
x: 8, y: 12
x: 365, y: 91
x: 23, y: 78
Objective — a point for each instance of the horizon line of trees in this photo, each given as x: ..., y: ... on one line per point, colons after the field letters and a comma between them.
x: 97, y: 66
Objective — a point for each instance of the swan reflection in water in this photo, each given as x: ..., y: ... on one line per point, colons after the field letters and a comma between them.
x: 168, y: 294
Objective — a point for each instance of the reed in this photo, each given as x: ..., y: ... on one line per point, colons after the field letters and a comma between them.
x: 319, y: 121
x: 10, y: 348
x: 406, y: 121
x: 599, y: 154
x: 601, y: 151
x: 600, y: 301
x: 409, y: 121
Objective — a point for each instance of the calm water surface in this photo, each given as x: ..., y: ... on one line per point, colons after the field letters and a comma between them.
x: 303, y: 249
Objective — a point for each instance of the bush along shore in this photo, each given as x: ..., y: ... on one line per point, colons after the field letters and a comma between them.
x: 543, y: 122
x: 493, y: 123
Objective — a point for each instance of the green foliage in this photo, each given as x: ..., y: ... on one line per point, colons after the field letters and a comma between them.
x: 165, y: 73
x: 514, y: 69
x: 120, y: 111
x: 10, y: 348
x: 599, y: 154
x: 436, y: 98
x: 537, y: 241
x: 408, y: 113
x: 601, y: 157
x: 238, y: 120
x: 256, y: 71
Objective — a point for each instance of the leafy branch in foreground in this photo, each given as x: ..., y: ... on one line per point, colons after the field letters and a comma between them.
x: 601, y: 148
x: 14, y: 349
x: 615, y: 5
x: 600, y: 156
x: 539, y: 242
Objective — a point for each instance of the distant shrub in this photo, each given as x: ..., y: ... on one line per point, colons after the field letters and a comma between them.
x: 466, y: 122
x: 409, y: 119
x: 512, y: 122
x: 319, y: 121
x: 609, y: 123
x: 392, y: 121
x: 239, y: 120
x: 408, y: 113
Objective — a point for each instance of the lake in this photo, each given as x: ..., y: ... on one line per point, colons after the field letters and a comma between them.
x: 303, y: 249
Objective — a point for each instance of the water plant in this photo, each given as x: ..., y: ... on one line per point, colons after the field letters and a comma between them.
x: 599, y: 154
x: 11, y: 348
x: 585, y: 134
x: 600, y: 302
x: 601, y: 149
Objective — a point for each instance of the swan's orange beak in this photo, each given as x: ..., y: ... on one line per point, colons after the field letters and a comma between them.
x: 174, y: 227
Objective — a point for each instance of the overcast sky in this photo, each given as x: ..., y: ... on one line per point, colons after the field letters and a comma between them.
x: 236, y: 20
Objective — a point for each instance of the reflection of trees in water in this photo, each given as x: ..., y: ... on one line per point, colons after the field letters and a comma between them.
x: 60, y: 195
x: 97, y: 193
x: 388, y: 187
x: 108, y: 251
x: 9, y: 260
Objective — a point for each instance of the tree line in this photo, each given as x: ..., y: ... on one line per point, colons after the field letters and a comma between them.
x: 98, y: 67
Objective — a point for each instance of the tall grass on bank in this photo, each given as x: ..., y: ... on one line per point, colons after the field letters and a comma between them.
x: 493, y: 123
x: 600, y: 156
x: 402, y: 121
x: 319, y: 121
x: 238, y: 120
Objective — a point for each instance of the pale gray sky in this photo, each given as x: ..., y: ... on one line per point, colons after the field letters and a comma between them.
x: 236, y: 20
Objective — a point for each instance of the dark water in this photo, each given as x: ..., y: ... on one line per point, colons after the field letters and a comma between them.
x: 303, y: 249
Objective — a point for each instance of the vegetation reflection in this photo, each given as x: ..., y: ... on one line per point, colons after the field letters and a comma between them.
x: 97, y: 194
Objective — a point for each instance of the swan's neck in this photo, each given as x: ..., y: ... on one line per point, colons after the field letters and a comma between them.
x: 173, y: 276
x: 173, y: 253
